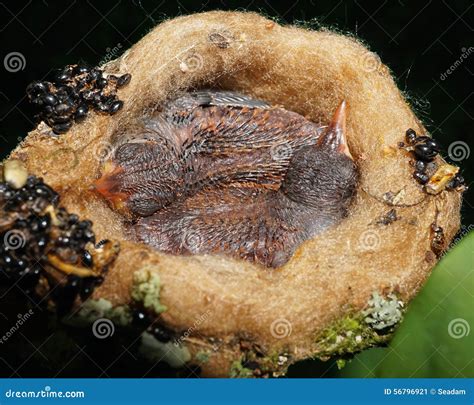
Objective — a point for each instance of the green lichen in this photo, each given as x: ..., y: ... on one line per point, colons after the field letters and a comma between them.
x: 383, y: 312
x: 176, y: 355
x: 359, y: 331
x: 202, y: 356
x: 341, y: 363
x: 345, y: 336
x: 92, y: 310
x: 146, y: 289
x: 237, y: 370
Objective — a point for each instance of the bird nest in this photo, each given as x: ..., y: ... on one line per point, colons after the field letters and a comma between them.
x: 341, y: 291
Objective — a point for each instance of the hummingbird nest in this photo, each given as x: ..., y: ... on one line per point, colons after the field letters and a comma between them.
x: 229, y: 316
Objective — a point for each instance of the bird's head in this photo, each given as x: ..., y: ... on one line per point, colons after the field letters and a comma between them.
x: 324, y: 176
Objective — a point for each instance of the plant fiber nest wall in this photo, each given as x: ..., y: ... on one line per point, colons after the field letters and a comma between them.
x: 251, y: 309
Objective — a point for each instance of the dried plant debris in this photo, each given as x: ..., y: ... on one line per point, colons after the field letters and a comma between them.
x: 438, y: 240
x: 387, y: 218
x: 72, y: 92
x: 45, y: 250
x: 435, y: 178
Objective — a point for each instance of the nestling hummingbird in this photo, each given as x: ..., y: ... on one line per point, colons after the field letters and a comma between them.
x: 220, y: 172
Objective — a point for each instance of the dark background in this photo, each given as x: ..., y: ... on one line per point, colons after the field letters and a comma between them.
x: 418, y: 40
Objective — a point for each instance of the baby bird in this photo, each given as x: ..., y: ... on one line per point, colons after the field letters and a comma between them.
x: 220, y: 172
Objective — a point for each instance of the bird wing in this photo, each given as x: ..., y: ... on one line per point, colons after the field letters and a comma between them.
x: 234, y: 221
x: 206, y: 98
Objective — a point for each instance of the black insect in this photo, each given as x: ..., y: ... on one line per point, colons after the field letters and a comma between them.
x: 72, y: 92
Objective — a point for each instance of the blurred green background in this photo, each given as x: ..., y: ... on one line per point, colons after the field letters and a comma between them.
x: 428, y: 47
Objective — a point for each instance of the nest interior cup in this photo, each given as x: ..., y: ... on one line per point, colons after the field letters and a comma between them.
x: 251, y: 309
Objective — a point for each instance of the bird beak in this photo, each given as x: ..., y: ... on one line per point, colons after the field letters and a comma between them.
x: 107, y: 185
x: 335, y: 135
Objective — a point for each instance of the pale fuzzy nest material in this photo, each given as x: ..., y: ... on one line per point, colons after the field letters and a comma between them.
x: 335, y: 274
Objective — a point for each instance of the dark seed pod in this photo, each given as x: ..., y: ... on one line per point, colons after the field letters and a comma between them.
x: 123, y: 80
x: 72, y: 219
x: 88, y: 95
x: 80, y: 69
x: 422, y: 178
x: 420, y: 166
x: 63, y: 108
x: 74, y: 90
x: 49, y: 99
x: 36, y: 88
x: 410, y: 136
x: 48, y: 247
x: 62, y: 128
x: 455, y: 182
x: 63, y: 77
x: 433, y: 144
x: 48, y: 110
x: 101, y: 83
x: 87, y: 259
x: 115, y: 107
x: 425, y: 152
x: 95, y: 74
x: 81, y: 112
